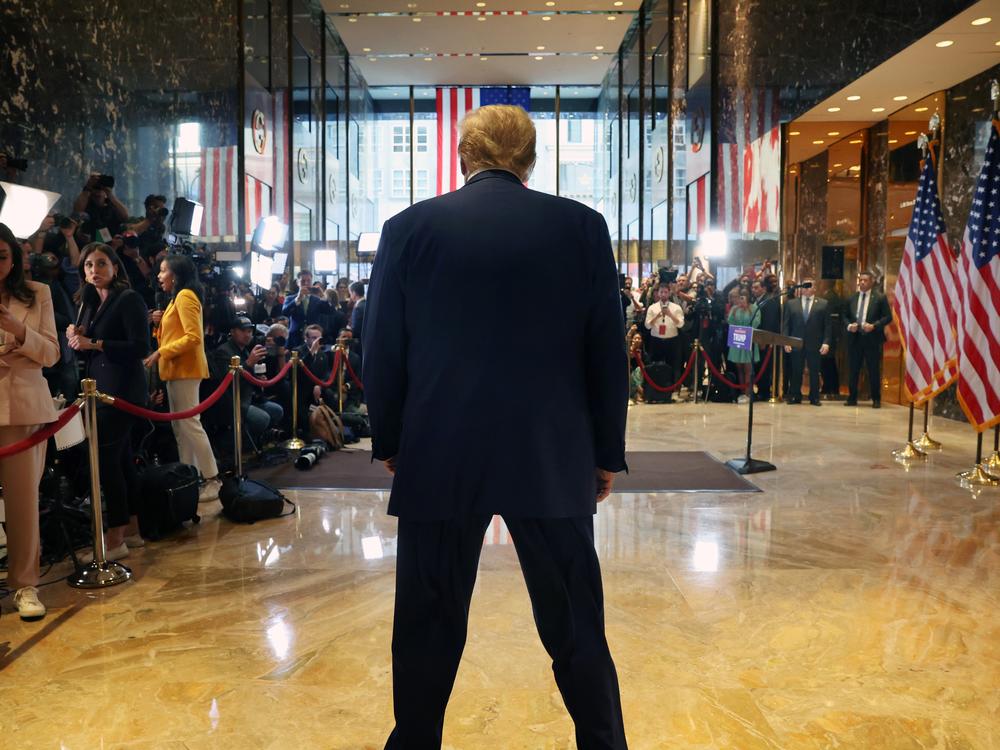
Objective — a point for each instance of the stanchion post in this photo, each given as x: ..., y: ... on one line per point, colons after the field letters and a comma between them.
x: 100, y: 572
x: 340, y: 376
x: 696, y: 379
x: 909, y: 452
x: 925, y: 442
x: 235, y: 366
x: 775, y: 358
x: 295, y: 443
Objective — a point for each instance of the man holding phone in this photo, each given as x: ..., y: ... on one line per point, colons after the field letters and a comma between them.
x: 304, y: 309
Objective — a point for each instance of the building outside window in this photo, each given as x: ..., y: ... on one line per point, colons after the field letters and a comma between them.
x: 400, y: 183
x: 401, y: 139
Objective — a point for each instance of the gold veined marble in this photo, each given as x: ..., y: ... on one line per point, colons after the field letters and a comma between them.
x: 852, y: 604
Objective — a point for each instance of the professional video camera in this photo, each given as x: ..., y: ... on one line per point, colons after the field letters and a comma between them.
x: 20, y: 165
x: 310, y: 454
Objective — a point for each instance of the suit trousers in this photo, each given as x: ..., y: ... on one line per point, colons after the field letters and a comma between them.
x: 20, y: 475
x: 193, y: 445
x: 436, y: 569
x: 119, y: 477
x: 798, y: 360
x: 668, y: 351
x: 865, y: 350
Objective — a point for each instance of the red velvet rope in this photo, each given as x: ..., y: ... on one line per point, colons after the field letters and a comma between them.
x: 267, y: 383
x: 42, y: 434
x: 738, y: 386
x: 354, y: 377
x: 333, y: 373
x: 159, y: 416
x: 669, y: 388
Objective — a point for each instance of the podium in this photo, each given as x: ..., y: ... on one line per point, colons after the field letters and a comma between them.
x: 744, y: 337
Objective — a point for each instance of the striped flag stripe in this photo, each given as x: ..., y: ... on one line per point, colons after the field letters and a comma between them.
x: 452, y: 105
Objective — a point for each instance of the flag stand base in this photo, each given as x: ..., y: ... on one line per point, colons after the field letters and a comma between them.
x: 977, y: 476
x: 992, y: 464
x: 926, y: 443
x: 909, y: 453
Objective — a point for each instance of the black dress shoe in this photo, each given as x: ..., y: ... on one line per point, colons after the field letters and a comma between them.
x: 876, y: 404
x: 793, y: 401
x: 850, y: 402
x: 814, y: 402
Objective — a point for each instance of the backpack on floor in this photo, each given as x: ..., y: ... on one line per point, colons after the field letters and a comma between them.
x: 169, y: 497
x: 324, y: 424
x: 663, y: 376
x: 249, y: 500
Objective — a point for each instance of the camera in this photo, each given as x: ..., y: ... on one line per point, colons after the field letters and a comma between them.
x: 21, y: 165
x: 310, y: 454
x: 668, y: 275
x: 105, y: 181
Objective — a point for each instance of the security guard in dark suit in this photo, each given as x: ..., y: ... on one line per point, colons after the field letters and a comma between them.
x: 458, y: 421
x: 808, y: 318
x: 867, y: 315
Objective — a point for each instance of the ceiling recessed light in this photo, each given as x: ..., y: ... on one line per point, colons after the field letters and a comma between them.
x: 833, y: 109
x: 480, y: 5
x: 549, y: 4
x: 856, y: 141
x: 344, y: 5
x: 900, y: 98
x: 893, y: 140
x: 856, y: 168
x: 411, y: 5
x: 818, y: 143
x: 481, y: 18
x: 920, y: 109
x: 599, y: 47
x: 878, y: 109
x: 352, y: 19
x: 538, y: 57
x: 484, y: 59
x: 417, y: 20
x: 372, y: 58
x: 853, y: 98
x: 944, y: 43
x: 794, y: 132
x: 540, y: 47
x: 996, y: 44
x: 612, y: 18
x: 982, y: 21
x: 838, y: 164
x: 546, y: 18
x: 428, y: 59
x: 595, y: 57
x: 910, y: 132
x: 366, y: 49
x: 834, y: 132
x: 618, y: 3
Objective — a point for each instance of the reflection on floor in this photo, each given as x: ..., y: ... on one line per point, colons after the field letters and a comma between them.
x: 852, y: 604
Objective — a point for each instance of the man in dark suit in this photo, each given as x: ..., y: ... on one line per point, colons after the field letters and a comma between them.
x: 768, y: 301
x: 304, y: 309
x: 808, y: 318
x: 448, y: 418
x: 867, y: 315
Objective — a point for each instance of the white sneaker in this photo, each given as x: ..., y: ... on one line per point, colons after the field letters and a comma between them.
x: 116, y: 553
x: 209, y: 491
x: 135, y: 541
x: 28, y: 606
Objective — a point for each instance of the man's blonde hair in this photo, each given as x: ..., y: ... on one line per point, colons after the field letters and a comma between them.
x: 499, y: 136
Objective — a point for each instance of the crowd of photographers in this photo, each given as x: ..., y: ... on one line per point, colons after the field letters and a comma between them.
x: 669, y: 311
x: 156, y: 325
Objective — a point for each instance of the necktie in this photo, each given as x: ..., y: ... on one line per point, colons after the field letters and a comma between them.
x: 808, y: 305
x: 305, y: 304
x: 861, y: 307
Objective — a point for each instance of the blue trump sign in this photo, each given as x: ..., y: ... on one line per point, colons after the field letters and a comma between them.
x: 740, y: 337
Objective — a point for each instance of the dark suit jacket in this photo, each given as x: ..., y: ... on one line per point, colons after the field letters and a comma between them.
x: 477, y: 426
x: 122, y: 322
x: 770, y: 313
x: 318, y: 312
x: 879, y: 315
x: 814, y: 332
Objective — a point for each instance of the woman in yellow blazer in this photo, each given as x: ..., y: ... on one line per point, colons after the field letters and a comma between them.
x: 181, y: 357
x: 29, y: 343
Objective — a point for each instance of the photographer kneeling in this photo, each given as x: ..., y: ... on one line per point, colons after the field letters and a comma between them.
x: 257, y: 417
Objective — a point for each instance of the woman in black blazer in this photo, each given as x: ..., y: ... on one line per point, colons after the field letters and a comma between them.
x: 112, y: 337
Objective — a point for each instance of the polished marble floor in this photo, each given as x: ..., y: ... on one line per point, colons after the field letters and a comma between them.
x: 852, y: 604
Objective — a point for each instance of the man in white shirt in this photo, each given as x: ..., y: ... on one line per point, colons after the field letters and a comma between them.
x: 664, y: 320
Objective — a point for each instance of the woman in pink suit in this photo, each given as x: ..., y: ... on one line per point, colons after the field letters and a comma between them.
x: 27, y: 344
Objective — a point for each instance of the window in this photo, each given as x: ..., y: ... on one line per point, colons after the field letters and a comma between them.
x: 423, y: 182
x: 401, y: 139
x: 400, y: 183
x: 421, y: 139
x: 574, y: 131
x: 378, y: 182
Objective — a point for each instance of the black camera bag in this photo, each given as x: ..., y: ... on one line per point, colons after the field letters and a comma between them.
x: 169, y: 498
x: 249, y: 500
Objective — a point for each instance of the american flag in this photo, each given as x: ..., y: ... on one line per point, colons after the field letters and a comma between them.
x: 218, y: 185
x: 697, y: 208
x: 452, y: 105
x: 926, y: 297
x: 979, y: 280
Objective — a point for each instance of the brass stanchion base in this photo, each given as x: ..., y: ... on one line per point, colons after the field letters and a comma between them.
x: 992, y: 464
x: 926, y: 443
x: 773, y: 400
x: 95, y: 576
x: 294, y: 444
x: 909, y: 453
x: 977, y: 476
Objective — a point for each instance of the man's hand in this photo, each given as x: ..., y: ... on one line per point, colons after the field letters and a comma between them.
x: 256, y: 355
x: 824, y: 350
x: 853, y: 328
x: 605, y: 479
x: 317, y: 394
x: 867, y: 327
x: 315, y: 346
x: 68, y: 231
x: 390, y: 465
x: 788, y: 350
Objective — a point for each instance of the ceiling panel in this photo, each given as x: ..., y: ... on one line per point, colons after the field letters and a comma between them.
x: 471, y: 71
x: 424, y: 6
